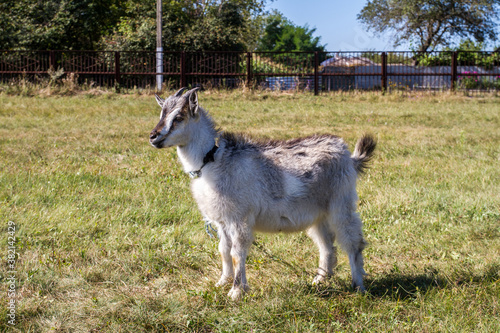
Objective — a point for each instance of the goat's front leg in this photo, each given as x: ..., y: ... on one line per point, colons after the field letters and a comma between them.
x: 239, y: 252
x: 225, y: 252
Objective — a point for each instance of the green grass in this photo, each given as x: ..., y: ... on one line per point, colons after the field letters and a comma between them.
x: 110, y: 240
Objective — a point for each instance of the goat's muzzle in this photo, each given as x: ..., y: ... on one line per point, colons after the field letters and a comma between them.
x: 153, y: 135
x: 154, y: 139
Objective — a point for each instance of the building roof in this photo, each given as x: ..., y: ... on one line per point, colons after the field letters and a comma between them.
x: 343, y: 61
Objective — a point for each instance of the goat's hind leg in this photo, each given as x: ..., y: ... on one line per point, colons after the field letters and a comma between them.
x: 348, y: 229
x: 225, y: 252
x: 357, y: 270
x: 323, y: 237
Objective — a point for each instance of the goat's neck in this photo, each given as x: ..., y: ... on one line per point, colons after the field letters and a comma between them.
x: 201, y: 141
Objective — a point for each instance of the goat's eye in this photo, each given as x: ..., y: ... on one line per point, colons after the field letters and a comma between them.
x: 178, y: 119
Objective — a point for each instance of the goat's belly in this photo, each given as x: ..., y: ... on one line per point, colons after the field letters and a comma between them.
x: 283, y: 223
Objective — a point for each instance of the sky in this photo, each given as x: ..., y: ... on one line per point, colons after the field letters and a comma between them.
x: 335, y: 22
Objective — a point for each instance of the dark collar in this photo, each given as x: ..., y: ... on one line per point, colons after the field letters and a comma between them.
x: 209, y: 157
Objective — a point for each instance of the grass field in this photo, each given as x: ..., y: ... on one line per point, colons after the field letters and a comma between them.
x: 109, y: 239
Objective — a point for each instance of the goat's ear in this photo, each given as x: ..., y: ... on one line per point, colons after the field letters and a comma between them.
x: 193, y: 102
x: 180, y: 91
x: 159, y: 100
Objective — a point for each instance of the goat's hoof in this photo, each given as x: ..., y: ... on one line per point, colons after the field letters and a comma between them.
x: 318, y: 280
x: 359, y: 288
x: 223, y: 281
x: 236, y: 294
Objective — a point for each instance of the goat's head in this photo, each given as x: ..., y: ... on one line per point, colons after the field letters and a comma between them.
x: 178, y: 112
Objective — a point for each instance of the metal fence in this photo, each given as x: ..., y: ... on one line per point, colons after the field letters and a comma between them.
x: 310, y: 71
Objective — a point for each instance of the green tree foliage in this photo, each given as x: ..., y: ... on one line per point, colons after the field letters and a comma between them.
x: 279, y: 34
x: 56, y: 24
x: 129, y: 24
x: 428, y: 24
x: 468, y: 53
x: 188, y: 25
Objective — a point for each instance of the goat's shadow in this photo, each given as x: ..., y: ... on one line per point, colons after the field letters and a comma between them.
x: 408, y: 286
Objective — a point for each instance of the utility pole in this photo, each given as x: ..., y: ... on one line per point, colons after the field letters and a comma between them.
x: 159, y: 48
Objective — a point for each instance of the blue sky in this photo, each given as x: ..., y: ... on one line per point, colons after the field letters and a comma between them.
x: 335, y: 23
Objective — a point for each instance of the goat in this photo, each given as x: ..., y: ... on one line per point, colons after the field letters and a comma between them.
x: 244, y: 185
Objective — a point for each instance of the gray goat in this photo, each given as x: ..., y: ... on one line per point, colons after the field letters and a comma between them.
x: 244, y: 185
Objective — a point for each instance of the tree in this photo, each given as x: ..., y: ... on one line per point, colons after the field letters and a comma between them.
x: 188, y: 25
x: 428, y: 24
x: 279, y: 34
x: 128, y: 24
x: 56, y: 24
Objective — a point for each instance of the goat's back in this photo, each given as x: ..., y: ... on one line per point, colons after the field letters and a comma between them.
x: 293, y: 167
x: 307, y: 157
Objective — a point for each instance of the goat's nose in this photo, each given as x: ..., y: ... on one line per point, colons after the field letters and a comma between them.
x: 153, y: 135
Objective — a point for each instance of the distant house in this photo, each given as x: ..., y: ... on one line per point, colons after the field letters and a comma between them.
x: 363, y: 73
x: 346, y: 72
x: 348, y: 66
x: 341, y: 61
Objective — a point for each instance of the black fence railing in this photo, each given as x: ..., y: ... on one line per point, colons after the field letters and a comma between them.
x: 313, y: 71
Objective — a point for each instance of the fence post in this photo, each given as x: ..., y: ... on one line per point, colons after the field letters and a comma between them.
x: 183, y: 69
x: 249, y: 69
x: 454, y: 58
x: 316, y: 76
x: 384, y: 72
x: 52, y: 57
x: 117, y: 71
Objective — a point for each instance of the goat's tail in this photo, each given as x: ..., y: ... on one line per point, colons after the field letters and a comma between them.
x: 363, y: 153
